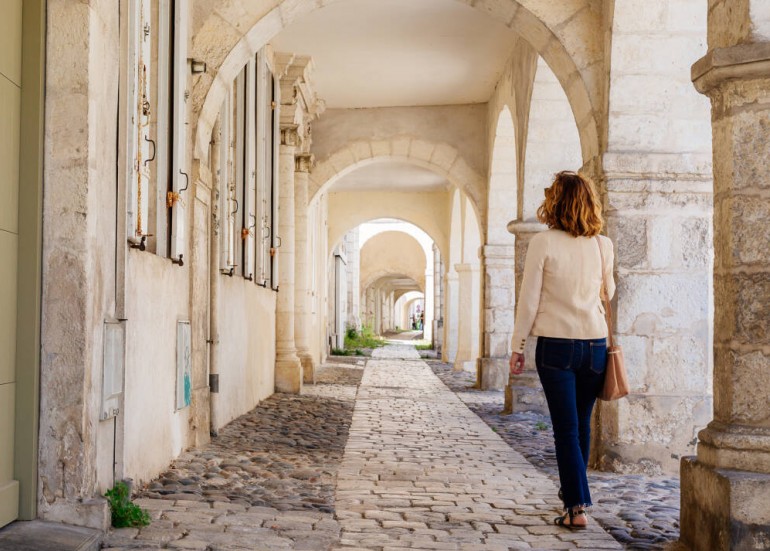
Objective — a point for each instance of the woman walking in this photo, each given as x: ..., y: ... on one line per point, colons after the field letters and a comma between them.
x: 560, y: 303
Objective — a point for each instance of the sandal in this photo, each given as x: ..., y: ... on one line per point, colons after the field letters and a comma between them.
x: 571, y: 514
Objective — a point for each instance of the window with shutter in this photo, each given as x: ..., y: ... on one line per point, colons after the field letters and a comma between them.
x: 274, y: 152
x: 139, y: 141
x: 180, y: 193
x: 225, y: 207
x: 250, y: 172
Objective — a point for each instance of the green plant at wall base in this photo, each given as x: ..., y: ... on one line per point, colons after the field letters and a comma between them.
x: 541, y: 426
x: 423, y: 347
x: 340, y: 352
x: 363, y: 339
x: 125, y: 513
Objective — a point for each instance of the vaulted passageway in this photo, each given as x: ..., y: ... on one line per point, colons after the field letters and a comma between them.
x: 202, y: 160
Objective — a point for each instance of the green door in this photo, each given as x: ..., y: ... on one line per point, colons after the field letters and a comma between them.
x: 10, y: 107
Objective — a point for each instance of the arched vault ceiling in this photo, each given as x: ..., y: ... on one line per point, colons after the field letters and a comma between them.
x: 391, y: 176
x: 569, y: 34
x: 370, y: 53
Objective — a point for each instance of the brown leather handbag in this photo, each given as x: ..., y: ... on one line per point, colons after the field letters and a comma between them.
x: 616, y: 378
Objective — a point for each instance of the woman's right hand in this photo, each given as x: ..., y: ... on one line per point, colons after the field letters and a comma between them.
x: 517, y: 363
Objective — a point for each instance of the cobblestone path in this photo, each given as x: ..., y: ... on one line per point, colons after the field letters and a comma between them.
x: 421, y: 471
x: 641, y: 512
x: 266, y: 482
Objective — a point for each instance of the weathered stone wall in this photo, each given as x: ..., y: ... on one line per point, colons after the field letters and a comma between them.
x: 78, y: 256
x: 657, y: 181
x: 725, y: 489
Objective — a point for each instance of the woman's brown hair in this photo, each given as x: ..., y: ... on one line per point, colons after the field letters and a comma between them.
x: 572, y: 205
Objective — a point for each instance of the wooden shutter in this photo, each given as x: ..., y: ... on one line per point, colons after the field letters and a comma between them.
x: 180, y: 171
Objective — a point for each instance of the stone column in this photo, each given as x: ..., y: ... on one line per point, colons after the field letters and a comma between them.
x: 437, y: 301
x: 726, y: 488
x: 429, y: 305
x: 352, y: 252
x: 302, y: 297
x: 499, y: 305
x: 526, y: 393
x: 450, y: 316
x: 288, y: 368
x: 378, y: 328
x: 469, y: 291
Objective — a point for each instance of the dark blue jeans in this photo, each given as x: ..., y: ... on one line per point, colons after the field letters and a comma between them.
x: 572, y: 372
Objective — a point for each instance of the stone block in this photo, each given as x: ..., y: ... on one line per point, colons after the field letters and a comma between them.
x: 679, y: 364
x: 361, y: 150
x: 629, y: 233
x: 722, y: 509
x: 633, y: 17
x: 742, y: 299
x: 649, y: 304
x: 501, y: 10
x: 741, y: 380
x: 746, y: 217
x: 649, y: 433
x: 400, y: 146
x: 745, y: 138
x: 420, y: 149
x: 493, y: 373
x: 380, y: 148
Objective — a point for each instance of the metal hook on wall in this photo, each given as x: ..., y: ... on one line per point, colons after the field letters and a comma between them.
x: 237, y: 206
x: 186, y: 181
x: 154, y: 149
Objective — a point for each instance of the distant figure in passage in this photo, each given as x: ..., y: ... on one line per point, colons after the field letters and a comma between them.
x: 560, y: 304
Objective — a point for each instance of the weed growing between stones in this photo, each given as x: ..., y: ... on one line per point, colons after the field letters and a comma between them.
x: 125, y: 514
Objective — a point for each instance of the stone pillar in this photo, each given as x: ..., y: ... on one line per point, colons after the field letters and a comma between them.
x: 340, y: 299
x: 438, y: 332
x: 302, y: 271
x: 469, y: 287
x: 726, y: 488
x: 660, y: 226
x: 377, y: 312
x: 429, y: 305
x: 499, y: 305
x: 353, y: 255
x: 288, y: 368
x: 526, y: 393
x: 450, y: 316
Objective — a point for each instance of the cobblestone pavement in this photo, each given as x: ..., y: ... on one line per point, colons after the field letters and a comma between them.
x: 266, y: 482
x: 642, y: 512
x: 421, y: 471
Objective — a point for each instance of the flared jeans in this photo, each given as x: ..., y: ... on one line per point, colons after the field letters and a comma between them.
x: 571, y: 372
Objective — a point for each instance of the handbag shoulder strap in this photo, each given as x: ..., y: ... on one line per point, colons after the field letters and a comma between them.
x: 605, y: 297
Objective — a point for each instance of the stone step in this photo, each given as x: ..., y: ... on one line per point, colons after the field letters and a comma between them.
x: 37, y: 535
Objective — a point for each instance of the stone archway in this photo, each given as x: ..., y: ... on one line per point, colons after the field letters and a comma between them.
x: 441, y: 158
x: 565, y: 34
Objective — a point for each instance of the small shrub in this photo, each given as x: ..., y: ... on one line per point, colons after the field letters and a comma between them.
x: 351, y: 333
x: 125, y: 513
x: 359, y: 352
x: 340, y: 352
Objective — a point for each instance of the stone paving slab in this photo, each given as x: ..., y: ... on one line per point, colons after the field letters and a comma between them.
x: 37, y: 535
x: 421, y: 471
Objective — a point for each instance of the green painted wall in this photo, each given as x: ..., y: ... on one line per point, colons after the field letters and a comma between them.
x: 30, y: 255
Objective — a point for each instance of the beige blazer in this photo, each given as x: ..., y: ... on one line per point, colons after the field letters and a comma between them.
x: 559, y: 294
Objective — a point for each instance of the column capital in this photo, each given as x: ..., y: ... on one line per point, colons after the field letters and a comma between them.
x: 498, y: 252
x: 519, y: 227
x: 304, y: 162
x: 290, y: 135
x: 461, y: 268
x: 741, y: 62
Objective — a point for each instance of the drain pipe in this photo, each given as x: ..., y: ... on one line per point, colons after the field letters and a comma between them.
x: 214, y: 281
